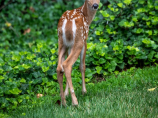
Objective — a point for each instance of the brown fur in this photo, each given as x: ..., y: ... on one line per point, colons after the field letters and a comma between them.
x: 73, y: 28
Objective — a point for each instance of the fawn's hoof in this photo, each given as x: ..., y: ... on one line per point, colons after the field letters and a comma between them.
x: 64, y: 102
x: 75, y: 104
x: 84, y: 92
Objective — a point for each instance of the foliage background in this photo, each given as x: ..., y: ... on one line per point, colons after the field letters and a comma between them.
x: 122, y: 35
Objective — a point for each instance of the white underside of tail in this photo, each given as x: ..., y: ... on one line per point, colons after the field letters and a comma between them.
x: 63, y: 30
x: 65, y: 41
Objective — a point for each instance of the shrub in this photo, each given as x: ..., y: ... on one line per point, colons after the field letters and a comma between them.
x: 126, y: 35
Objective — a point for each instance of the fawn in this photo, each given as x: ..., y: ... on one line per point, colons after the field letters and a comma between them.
x: 73, y: 28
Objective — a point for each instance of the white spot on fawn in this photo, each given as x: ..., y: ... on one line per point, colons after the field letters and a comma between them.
x: 72, y: 91
x: 74, y: 12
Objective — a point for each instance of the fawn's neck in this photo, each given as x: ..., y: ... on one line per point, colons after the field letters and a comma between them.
x: 88, y: 12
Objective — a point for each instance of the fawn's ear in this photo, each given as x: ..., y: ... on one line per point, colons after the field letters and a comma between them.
x: 93, y: 1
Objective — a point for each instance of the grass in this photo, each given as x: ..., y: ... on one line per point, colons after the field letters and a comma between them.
x: 121, y: 96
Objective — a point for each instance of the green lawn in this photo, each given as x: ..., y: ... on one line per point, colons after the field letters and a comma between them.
x: 120, y: 96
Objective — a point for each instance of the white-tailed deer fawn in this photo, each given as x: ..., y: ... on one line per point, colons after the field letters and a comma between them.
x: 73, y: 28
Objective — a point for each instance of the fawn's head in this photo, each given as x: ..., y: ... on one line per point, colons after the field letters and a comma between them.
x: 94, y: 4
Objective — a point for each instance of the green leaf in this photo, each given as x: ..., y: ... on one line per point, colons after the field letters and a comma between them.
x: 104, y: 13
x: 7, y: 68
x: 87, y: 80
x: 88, y: 73
x: 1, y: 62
x: 95, y: 19
x: 140, y: 10
x: 55, y: 76
x: 127, y: 2
x: 150, y: 55
x: 15, y: 91
x: 100, y: 28
x: 53, y: 51
x: 146, y: 41
x: 23, y: 80
x: 148, y: 23
x: 112, y: 17
x: 1, y: 77
x: 30, y: 56
x: 141, y: 1
x: 53, y: 57
x: 121, y: 66
x: 91, y: 84
x: 100, y: 5
x: 116, y: 47
x: 102, y: 60
x: 122, y: 22
x: 120, y: 5
x: 26, y: 66
x: 154, y: 20
x: 44, y: 68
x: 27, y: 16
x: 150, y: 5
x: 149, y: 32
x: 98, y: 68
x: 156, y: 7
x: 156, y: 55
x: 97, y: 32
x: 113, y: 63
x: 134, y: 18
x: 138, y: 31
x: 1, y: 70
x: 152, y: 12
x: 16, y: 57
x: 39, y: 45
x: 105, y: 73
x: 45, y: 80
